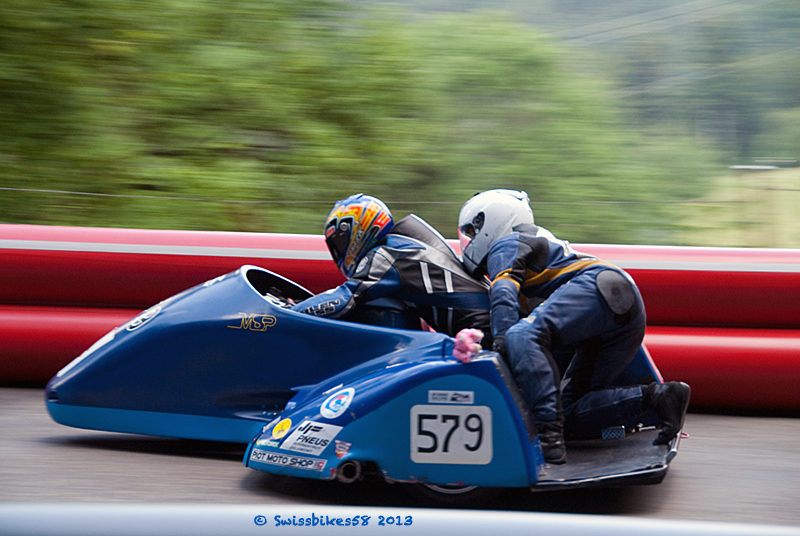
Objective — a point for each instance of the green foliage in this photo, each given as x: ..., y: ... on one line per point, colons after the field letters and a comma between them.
x: 236, y: 101
x: 257, y: 116
x: 781, y: 140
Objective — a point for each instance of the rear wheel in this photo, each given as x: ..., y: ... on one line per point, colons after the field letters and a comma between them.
x: 450, y: 495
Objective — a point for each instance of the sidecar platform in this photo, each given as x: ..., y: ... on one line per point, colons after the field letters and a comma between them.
x: 633, y: 460
x: 630, y: 460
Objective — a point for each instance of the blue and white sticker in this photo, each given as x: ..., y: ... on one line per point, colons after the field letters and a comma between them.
x: 337, y: 403
x: 451, y: 397
x: 143, y: 318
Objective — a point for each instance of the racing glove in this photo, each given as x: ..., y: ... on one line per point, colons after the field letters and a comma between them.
x: 499, y: 345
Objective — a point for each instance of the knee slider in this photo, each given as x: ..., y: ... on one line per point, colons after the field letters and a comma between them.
x: 617, y: 291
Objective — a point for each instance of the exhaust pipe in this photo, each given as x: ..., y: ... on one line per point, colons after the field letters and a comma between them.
x: 348, y: 472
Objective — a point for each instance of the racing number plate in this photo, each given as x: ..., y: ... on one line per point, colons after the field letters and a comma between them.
x: 451, y: 434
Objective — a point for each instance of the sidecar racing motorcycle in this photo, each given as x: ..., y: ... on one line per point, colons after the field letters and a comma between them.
x: 328, y: 399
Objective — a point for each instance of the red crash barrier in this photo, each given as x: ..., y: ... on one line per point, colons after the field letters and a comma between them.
x: 727, y: 368
x: 62, y: 288
x: 712, y: 287
x: 38, y: 341
x: 731, y: 368
x: 131, y: 268
x: 134, y: 268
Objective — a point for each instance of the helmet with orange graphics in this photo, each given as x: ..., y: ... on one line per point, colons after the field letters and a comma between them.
x: 355, y: 226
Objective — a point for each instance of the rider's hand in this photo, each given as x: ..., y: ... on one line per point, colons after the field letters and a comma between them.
x: 499, y: 345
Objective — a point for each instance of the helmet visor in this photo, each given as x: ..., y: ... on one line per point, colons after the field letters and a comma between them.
x: 337, y: 237
x: 465, y: 236
x: 468, y: 231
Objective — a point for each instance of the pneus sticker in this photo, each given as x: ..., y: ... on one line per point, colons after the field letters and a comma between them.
x: 311, y: 437
x: 451, y: 434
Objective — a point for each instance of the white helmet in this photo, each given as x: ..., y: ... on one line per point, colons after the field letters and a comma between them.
x: 485, y: 218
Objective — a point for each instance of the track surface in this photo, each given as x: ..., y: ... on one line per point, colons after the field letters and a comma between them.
x: 742, y: 469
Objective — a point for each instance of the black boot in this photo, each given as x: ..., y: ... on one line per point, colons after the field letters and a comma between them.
x: 551, y: 439
x: 670, y: 401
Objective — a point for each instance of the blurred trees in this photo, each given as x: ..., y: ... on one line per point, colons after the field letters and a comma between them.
x: 257, y: 116
x: 717, y: 67
x: 239, y: 100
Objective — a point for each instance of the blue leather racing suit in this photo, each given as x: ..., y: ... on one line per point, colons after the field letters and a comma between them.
x: 416, y: 271
x: 581, y: 318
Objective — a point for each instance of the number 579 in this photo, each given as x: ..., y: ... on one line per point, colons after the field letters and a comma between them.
x: 441, y: 434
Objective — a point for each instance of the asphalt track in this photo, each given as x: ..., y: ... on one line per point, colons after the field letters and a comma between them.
x: 740, y: 469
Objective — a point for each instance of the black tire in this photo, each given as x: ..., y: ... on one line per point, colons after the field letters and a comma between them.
x: 450, y: 496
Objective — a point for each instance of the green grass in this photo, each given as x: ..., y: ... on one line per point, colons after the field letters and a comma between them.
x: 753, y: 208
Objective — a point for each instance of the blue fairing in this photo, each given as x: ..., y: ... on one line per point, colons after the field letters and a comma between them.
x: 228, y: 360
x: 426, y: 421
x: 216, y: 362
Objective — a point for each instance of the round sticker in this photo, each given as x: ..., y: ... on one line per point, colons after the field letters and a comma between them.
x: 143, y: 318
x: 337, y: 403
x: 281, y: 428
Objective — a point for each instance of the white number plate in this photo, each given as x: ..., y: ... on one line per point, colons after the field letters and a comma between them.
x: 451, y: 434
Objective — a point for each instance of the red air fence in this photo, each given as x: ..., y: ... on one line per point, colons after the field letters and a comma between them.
x: 725, y: 320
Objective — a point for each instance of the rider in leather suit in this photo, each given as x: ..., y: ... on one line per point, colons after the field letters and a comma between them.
x: 557, y: 312
x: 398, y: 273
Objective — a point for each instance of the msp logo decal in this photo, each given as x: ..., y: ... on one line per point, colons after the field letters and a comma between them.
x: 281, y: 428
x: 255, y: 322
x: 337, y: 403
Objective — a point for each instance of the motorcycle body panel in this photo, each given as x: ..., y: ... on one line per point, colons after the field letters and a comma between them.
x: 419, y: 422
x: 322, y: 399
x: 215, y: 362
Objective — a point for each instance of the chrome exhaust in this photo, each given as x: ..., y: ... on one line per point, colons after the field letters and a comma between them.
x: 348, y: 472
